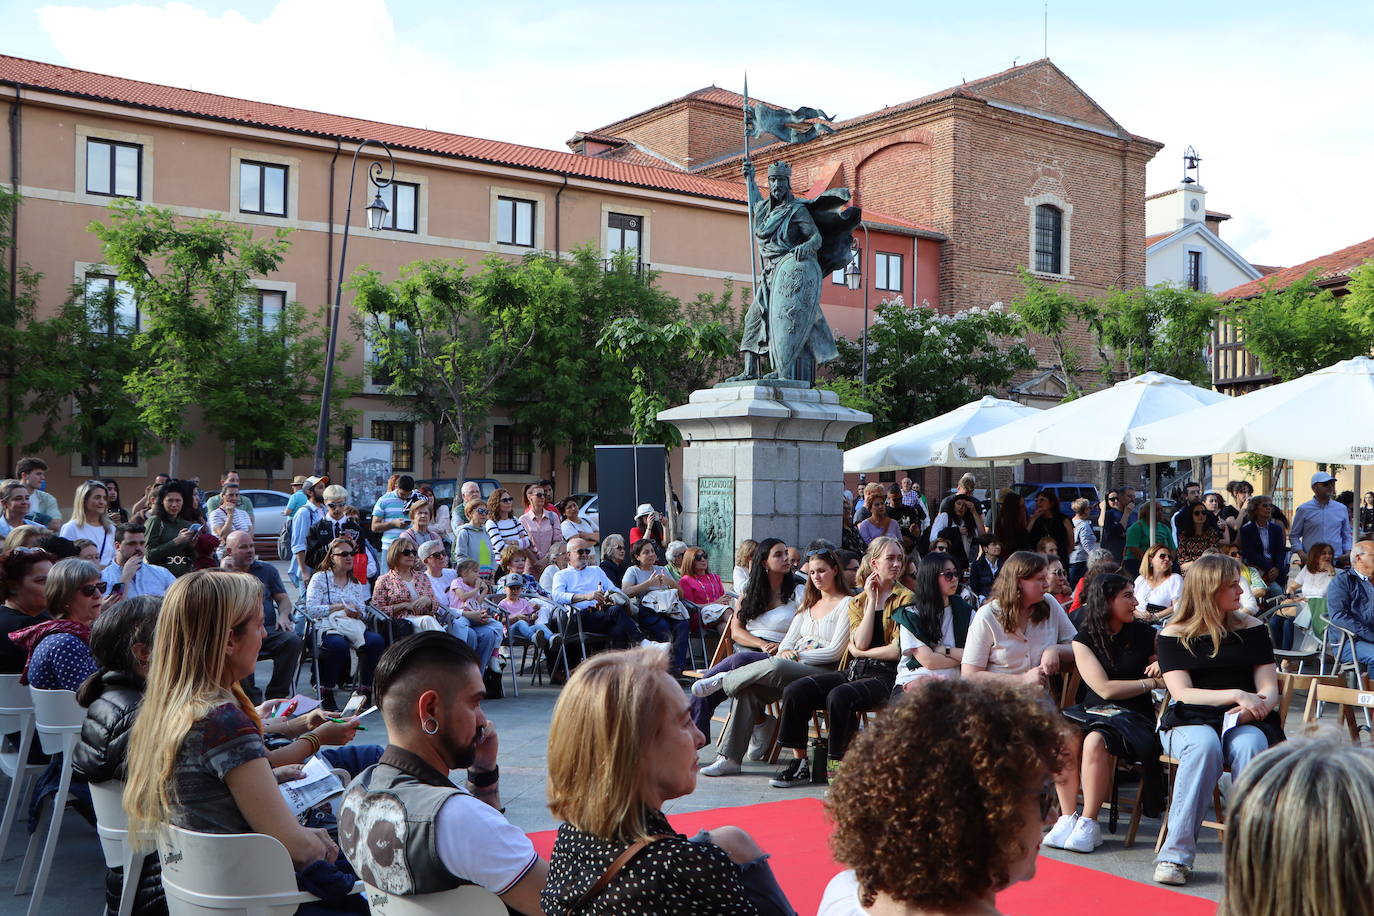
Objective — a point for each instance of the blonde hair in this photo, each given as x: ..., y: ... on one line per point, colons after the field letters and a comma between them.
x: 185, y: 681
x: 23, y: 536
x: 1300, y: 837
x: 1006, y: 590
x: 1196, y: 613
x: 744, y: 553
x: 1146, y: 567
x: 602, y: 727
x: 876, y: 548
x: 79, y: 505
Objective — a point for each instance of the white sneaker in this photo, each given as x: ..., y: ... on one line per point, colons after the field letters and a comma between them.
x: 1059, y: 833
x: 723, y: 766
x: 762, y: 741
x: 1086, y: 836
x: 665, y: 647
x: 1172, y: 873
x: 709, y: 685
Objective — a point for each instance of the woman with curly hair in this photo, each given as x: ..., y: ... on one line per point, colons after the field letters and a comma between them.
x: 940, y: 803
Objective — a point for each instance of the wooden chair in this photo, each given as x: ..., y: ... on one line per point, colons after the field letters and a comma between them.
x: 1170, y: 764
x: 1348, y: 700
x: 1290, y: 682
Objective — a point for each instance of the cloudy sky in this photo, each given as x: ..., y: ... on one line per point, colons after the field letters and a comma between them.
x: 1275, y: 96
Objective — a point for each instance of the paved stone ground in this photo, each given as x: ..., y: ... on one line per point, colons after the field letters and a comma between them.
x: 75, y: 886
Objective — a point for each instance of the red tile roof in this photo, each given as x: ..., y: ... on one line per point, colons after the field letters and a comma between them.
x: 84, y: 84
x: 1151, y: 239
x: 1266, y: 269
x: 1330, y: 269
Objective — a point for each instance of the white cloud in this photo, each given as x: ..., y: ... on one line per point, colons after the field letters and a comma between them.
x: 1278, y: 113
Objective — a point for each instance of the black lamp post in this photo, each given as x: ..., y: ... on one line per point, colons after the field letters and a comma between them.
x: 376, y: 216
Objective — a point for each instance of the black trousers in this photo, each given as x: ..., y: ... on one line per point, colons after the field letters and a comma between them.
x: 284, y: 648
x: 842, y: 700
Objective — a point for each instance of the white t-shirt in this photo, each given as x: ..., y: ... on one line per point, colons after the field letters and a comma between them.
x: 441, y: 584
x: 992, y: 648
x: 1313, y: 585
x: 101, y: 537
x: 739, y: 580
x: 910, y: 644
x: 773, y: 625
x: 573, y: 529
x: 841, y: 896
x: 477, y: 843
x: 1163, y: 594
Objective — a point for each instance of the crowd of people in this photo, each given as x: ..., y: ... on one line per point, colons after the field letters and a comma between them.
x: 954, y: 631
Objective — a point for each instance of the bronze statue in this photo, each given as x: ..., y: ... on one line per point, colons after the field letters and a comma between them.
x: 800, y: 241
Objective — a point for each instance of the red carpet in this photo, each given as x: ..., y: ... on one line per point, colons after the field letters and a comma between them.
x: 796, y: 833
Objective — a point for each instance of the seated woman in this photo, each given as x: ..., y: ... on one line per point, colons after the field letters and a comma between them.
x: 614, y: 813
x: 554, y: 560
x: 701, y: 586
x: 23, y: 578
x: 1310, y: 582
x: 336, y: 601
x: 59, y: 654
x: 433, y: 557
x: 1198, y: 532
x: 814, y: 644
x: 973, y: 764
x: 1309, y: 799
x: 1059, y: 582
x: 403, y: 592
x: 744, y: 562
x: 879, y: 523
x: 934, y: 627
x: 766, y: 608
x: 196, y: 755
x: 868, y: 667
x: 1115, y: 654
x: 1216, y: 660
x: 1100, y: 562
x: 574, y: 525
x: 1022, y: 637
x: 1157, y: 587
x: 654, y: 592
x: 613, y: 557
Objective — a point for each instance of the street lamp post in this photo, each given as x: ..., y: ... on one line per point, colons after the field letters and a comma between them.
x: 376, y: 214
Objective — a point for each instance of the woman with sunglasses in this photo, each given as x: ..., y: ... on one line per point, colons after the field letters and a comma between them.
x: 1198, y: 532
x: 23, y: 577
x: 1158, y: 586
x: 59, y: 657
x: 403, y: 592
x: 471, y: 541
x: 934, y: 627
x: 335, y: 600
x: 541, y: 523
x: 502, y: 526
x: 90, y: 521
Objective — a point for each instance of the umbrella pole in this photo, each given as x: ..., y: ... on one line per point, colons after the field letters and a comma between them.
x: 992, y: 488
x: 1154, y: 504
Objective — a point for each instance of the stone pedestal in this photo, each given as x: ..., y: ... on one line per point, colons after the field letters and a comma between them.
x: 761, y: 461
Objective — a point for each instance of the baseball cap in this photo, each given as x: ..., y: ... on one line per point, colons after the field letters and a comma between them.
x: 511, y: 580
x: 1321, y: 477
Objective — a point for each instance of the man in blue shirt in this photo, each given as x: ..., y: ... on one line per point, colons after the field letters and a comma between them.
x: 131, y: 574
x: 301, y: 523
x: 1322, y: 520
x: 281, y: 644
x: 1350, y: 602
x: 389, y: 515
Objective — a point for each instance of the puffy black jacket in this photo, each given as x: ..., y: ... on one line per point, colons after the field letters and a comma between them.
x: 105, y: 733
x: 100, y: 757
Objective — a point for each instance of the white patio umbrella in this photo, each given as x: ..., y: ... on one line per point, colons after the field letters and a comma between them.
x: 1324, y: 416
x: 1095, y: 427
x: 938, y: 442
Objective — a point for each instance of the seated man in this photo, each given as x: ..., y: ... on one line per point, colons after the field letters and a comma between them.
x: 1350, y: 603
x: 281, y: 644
x: 407, y: 829
x: 131, y: 574
x: 600, y: 606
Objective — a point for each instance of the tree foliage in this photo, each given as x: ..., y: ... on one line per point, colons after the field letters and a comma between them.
x: 446, y: 339
x: 1164, y: 328
x: 1302, y: 328
x: 16, y: 310
x: 1050, y: 311
x: 190, y: 278
x: 930, y: 363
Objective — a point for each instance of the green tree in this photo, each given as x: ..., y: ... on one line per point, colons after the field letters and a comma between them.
x: 1051, y: 312
x: 190, y: 277
x: 18, y: 296
x: 445, y: 337
x: 272, y: 368
x: 1163, y: 328
x: 1359, y: 297
x: 929, y: 363
x: 75, y: 363
x: 1302, y: 328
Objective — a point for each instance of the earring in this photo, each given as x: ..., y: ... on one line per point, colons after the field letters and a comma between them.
x: 430, y: 726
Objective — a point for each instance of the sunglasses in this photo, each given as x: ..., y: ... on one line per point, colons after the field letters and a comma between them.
x: 584, y: 551
x: 340, y: 554
x: 335, y: 505
x: 407, y: 553
x: 28, y: 551
x: 949, y: 574
x: 507, y: 499
x: 481, y: 510
x: 91, y: 589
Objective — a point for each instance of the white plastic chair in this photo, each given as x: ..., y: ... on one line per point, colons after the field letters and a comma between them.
x: 16, y: 717
x: 469, y: 900
x: 112, y: 824
x: 57, y: 718
x: 203, y: 874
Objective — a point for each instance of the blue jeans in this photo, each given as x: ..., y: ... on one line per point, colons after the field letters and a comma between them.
x: 334, y: 658
x: 661, y: 628
x: 523, y: 629
x: 483, y: 638
x: 1363, y: 653
x: 1201, y: 754
x: 703, y: 708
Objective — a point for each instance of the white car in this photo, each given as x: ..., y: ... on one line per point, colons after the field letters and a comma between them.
x: 587, y: 508
x: 267, y: 508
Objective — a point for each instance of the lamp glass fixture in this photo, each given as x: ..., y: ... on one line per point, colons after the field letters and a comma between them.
x: 376, y: 212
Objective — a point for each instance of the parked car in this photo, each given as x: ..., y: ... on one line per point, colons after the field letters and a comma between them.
x: 267, y: 508
x: 587, y: 508
x: 1065, y: 493
x: 446, y: 489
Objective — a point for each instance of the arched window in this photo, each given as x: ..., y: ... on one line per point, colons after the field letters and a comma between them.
x: 1049, y: 239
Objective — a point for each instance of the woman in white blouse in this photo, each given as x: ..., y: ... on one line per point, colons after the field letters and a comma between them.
x: 574, y: 526
x: 815, y: 640
x: 89, y: 520
x: 1158, y: 586
x: 335, y: 602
